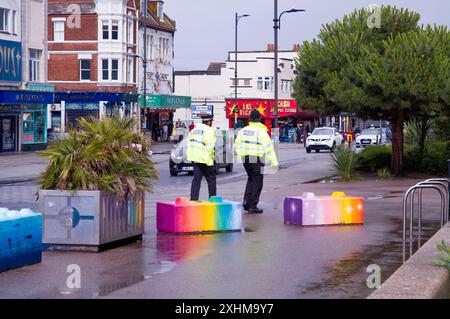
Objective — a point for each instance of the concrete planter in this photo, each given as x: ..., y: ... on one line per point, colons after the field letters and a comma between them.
x: 89, y: 219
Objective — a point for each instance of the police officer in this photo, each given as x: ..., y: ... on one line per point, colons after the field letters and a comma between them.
x: 200, y: 151
x: 254, y: 146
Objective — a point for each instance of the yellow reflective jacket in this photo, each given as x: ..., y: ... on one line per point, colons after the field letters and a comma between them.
x: 253, y: 140
x: 200, y: 145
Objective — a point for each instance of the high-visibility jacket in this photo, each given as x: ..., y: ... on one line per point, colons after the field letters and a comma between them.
x: 200, y: 144
x: 253, y: 140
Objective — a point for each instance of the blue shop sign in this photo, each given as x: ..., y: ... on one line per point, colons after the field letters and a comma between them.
x: 25, y: 97
x: 10, y: 61
x: 87, y: 97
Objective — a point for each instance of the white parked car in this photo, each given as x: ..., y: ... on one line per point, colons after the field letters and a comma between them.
x: 371, y: 136
x: 323, y: 138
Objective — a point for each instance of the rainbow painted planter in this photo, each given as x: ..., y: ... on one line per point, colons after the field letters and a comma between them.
x: 311, y: 210
x: 20, y: 238
x: 184, y: 216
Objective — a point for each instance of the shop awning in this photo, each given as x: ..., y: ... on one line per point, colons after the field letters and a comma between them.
x: 155, y: 101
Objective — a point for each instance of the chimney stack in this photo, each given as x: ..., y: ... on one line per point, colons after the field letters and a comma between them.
x: 296, y: 47
x: 270, y: 47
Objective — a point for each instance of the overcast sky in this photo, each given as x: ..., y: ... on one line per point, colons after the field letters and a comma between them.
x: 205, y: 28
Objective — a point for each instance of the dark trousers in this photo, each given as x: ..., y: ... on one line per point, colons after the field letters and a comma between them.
x: 253, y: 167
x: 209, y: 172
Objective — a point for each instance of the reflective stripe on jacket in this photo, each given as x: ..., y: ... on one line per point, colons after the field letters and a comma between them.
x: 253, y: 140
x: 200, y: 145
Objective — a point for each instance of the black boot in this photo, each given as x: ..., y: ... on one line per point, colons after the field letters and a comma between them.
x: 255, y: 210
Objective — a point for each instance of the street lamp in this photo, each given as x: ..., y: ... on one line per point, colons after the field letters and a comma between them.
x: 276, y: 27
x: 144, y: 65
x: 237, y: 18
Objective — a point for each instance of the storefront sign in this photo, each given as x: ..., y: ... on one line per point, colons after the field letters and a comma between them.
x: 166, y: 101
x: 25, y: 97
x: 41, y: 87
x: 10, y: 61
x: 265, y: 108
x: 87, y: 97
x: 199, y: 110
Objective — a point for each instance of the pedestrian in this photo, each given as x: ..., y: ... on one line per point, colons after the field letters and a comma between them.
x: 165, y: 132
x: 191, y: 126
x: 200, y: 151
x: 170, y: 128
x: 254, y: 146
x: 299, y: 132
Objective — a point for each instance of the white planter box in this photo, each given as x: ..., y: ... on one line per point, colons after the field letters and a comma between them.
x: 89, y: 218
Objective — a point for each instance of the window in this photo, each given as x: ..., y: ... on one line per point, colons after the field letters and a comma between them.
x: 160, y: 10
x: 58, y: 31
x: 34, y: 65
x: 259, y: 84
x: 114, y: 69
x: 268, y: 82
x: 105, y: 30
x: 265, y: 84
x: 247, y: 82
x: 4, y: 20
x: 130, y: 31
x: 85, y: 70
x: 105, y: 69
x: 149, y: 47
x: 234, y: 82
x: 13, y: 22
x: 115, y: 30
x: 161, y: 48
x: 130, y: 70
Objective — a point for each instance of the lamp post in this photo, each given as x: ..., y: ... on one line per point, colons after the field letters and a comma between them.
x: 237, y: 18
x: 144, y: 66
x: 276, y: 27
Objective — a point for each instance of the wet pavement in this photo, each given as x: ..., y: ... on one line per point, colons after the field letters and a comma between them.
x: 267, y: 260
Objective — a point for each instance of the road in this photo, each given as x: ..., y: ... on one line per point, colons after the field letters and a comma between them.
x: 266, y: 260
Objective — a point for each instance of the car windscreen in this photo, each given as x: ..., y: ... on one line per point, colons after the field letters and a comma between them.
x: 322, y: 131
x: 370, y: 132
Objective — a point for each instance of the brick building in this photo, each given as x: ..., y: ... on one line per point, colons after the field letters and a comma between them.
x: 91, y: 45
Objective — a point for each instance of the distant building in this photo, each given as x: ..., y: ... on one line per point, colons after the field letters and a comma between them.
x: 24, y: 93
x: 255, y: 87
x: 160, y: 103
x: 92, y: 47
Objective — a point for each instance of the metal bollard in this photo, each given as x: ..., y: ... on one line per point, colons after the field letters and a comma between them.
x: 448, y: 170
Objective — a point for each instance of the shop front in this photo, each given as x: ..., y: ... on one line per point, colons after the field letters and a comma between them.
x: 23, y: 120
x: 158, y: 110
x: 288, y: 112
x: 71, y: 106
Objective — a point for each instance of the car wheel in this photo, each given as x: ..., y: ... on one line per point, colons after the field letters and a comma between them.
x: 308, y: 150
x: 229, y: 168
x: 173, y: 173
x: 333, y: 148
x: 190, y: 173
x: 317, y: 151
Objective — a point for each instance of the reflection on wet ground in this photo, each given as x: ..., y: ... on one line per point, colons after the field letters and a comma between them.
x: 347, y: 277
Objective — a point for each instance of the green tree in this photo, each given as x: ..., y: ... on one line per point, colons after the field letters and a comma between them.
x: 398, y: 70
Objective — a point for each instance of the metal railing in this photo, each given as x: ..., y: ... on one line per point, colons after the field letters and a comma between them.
x: 441, y: 186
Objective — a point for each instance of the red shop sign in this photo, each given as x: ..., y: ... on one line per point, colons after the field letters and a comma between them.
x: 265, y: 108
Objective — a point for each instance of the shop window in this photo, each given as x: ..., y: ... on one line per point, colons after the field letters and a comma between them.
x: 33, y: 127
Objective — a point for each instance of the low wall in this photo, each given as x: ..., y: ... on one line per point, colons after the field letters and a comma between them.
x: 418, y: 278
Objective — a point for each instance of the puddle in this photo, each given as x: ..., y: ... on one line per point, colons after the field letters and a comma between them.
x: 346, y: 278
x: 379, y: 197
